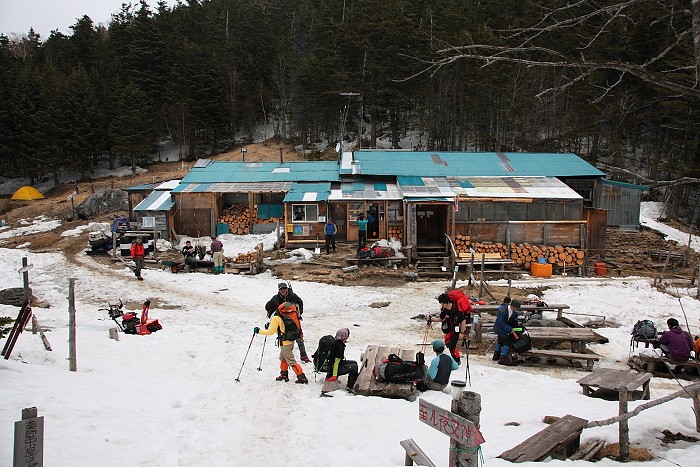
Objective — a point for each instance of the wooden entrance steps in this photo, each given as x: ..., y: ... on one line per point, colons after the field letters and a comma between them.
x: 430, y: 261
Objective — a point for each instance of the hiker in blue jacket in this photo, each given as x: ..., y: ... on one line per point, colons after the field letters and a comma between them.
x: 331, y: 229
x: 506, y: 320
x: 438, y: 374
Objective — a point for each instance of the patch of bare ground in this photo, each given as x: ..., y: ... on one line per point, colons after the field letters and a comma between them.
x: 612, y: 451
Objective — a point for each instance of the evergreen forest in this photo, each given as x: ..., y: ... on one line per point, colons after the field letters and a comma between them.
x: 614, y: 81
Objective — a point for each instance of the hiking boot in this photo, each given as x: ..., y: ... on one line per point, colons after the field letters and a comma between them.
x: 284, y: 376
x: 301, y: 379
x: 496, y: 355
x: 507, y: 360
x: 140, y: 278
x: 305, y: 359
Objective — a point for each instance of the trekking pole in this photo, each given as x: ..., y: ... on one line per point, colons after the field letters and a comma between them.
x: 261, y: 354
x: 466, y: 342
x: 244, y: 358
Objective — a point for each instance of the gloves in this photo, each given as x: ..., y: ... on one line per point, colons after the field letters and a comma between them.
x: 332, y: 378
x: 267, y: 325
x: 256, y: 330
x: 429, y: 319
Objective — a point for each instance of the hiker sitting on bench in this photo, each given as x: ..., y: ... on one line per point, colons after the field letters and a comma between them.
x: 675, y: 343
x: 438, y: 374
x: 506, y: 320
x: 340, y: 366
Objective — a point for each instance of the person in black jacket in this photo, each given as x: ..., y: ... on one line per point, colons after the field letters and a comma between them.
x: 339, y: 365
x: 285, y: 295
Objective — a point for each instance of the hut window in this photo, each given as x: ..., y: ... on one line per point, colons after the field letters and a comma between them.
x: 536, y: 211
x: 304, y: 213
x: 355, y: 209
x: 517, y: 212
x: 574, y: 211
x: 555, y: 211
x: 395, y: 211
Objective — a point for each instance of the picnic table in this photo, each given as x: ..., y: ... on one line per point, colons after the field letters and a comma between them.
x: 608, y: 379
x: 578, y: 338
x: 367, y: 384
x: 658, y: 366
x: 493, y: 309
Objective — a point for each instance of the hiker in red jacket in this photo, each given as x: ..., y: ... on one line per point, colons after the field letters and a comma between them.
x: 455, y: 313
x: 137, y: 254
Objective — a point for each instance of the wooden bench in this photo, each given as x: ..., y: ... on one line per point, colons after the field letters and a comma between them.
x: 608, y: 379
x: 652, y: 364
x: 389, y: 260
x: 415, y: 454
x: 367, y: 384
x: 559, y: 440
x: 589, y: 358
x: 493, y: 309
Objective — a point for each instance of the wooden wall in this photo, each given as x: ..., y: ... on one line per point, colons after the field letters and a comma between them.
x: 195, y: 214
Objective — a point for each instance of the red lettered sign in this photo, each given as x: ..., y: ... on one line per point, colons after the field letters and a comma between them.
x: 458, y: 428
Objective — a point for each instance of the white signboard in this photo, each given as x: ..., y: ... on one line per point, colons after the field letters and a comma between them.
x: 148, y: 222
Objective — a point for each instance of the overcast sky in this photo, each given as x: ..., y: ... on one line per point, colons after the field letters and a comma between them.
x: 17, y: 16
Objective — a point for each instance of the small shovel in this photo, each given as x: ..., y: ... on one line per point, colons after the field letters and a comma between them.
x: 317, y: 250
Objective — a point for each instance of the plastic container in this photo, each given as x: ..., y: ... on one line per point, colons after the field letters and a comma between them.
x: 600, y: 268
x: 541, y: 270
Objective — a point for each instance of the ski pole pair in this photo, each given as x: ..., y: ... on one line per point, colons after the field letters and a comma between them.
x: 238, y: 378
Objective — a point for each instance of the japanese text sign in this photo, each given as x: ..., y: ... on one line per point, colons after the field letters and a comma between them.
x: 458, y: 428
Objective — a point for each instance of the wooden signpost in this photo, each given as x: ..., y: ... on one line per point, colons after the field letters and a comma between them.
x: 464, y: 434
x: 29, y: 440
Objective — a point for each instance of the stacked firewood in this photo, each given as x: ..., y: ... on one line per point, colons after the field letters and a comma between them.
x: 238, y: 215
x: 524, y: 254
x: 463, y: 243
x: 394, y: 232
x: 243, y: 258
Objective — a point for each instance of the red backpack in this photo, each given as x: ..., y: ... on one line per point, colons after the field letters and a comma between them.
x: 464, y: 305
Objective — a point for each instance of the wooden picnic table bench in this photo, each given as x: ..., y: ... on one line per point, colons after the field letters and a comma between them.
x: 577, y: 337
x: 493, y: 309
x: 415, y: 454
x: 559, y: 440
x: 589, y: 358
x: 609, y: 379
x: 367, y: 384
x: 651, y: 364
x: 403, y: 260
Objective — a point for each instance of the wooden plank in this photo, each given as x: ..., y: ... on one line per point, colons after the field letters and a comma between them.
x: 368, y: 385
x: 559, y: 439
x: 415, y: 454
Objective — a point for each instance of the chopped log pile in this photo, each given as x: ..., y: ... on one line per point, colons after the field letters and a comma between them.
x: 242, y: 258
x: 238, y: 216
x: 647, y: 250
x: 522, y: 254
x: 395, y: 232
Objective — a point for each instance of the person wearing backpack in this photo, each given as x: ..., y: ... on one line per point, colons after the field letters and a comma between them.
x: 338, y: 364
x: 454, y: 316
x: 675, y: 343
x: 437, y: 375
x: 506, y: 320
x: 284, y: 294
x: 331, y: 229
x: 283, y: 325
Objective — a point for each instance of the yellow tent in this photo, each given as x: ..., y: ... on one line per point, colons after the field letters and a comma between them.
x: 27, y: 193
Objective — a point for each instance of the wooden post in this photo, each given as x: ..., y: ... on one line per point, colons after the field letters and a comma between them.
x: 510, y: 281
x: 624, y: 430
x: 468, y: 406
x: 25, y: 280
x: 454, y: 277
x: 481, y: 275
x: 471, y: 269
x: 73, y: 365
x: 29, y: 439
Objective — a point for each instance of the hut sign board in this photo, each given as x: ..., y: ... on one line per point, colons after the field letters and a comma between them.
x: 458, y: 428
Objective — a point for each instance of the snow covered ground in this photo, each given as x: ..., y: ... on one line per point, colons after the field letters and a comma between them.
x: 171, y: 399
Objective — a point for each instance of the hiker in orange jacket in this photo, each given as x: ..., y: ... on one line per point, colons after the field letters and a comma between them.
x: 137, y: 254
x: 286, y: 336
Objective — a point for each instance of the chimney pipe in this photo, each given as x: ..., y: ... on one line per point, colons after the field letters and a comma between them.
x: 281, y: 160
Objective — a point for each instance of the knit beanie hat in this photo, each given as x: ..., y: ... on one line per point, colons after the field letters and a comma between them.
x: 342, y: 334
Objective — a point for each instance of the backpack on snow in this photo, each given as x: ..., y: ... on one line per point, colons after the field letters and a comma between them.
x: 290, y: 317
x: 396, y: 370
x: 322, y: 356
x: 644, y: 328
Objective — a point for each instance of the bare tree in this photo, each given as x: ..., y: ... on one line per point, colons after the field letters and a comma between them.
x: 674, y: 65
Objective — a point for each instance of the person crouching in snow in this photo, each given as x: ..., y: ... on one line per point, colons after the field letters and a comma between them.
x: 285, y: 324
x: 339, y: 365
x: 438, y: 374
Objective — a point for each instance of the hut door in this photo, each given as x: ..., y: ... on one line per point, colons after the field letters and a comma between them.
x: 431, y: 223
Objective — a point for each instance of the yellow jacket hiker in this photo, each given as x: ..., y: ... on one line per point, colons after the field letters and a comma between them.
x: 286, y: 336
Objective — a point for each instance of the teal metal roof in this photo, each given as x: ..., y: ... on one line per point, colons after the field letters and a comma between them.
x: 605, y: 181
x: 146, y: 186
x: 469, y: 164
x: 308, y: 192
x: 250, y: 172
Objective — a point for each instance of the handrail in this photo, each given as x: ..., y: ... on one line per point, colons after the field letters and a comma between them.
x: 453, y: 252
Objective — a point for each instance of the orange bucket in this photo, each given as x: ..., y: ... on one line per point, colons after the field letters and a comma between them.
x: 600, y: 268
x: 541, y: 270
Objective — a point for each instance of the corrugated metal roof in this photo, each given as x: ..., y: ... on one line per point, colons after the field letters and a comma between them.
x: 365, y: 191
x: 156, y: 201
x: 513, y: 187
x: 169, y: 185
x: 258, y: 187
x: 145, y: 186
x: 605, y: 181
x: 308, y: 192
x: 420, y: 187
x: 248, y: 172
x: 468, y: 164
